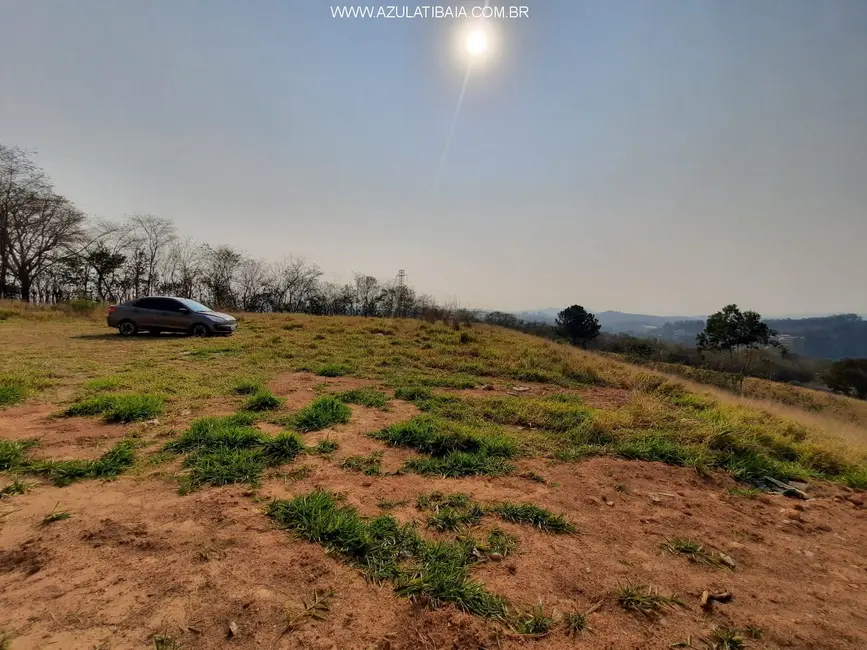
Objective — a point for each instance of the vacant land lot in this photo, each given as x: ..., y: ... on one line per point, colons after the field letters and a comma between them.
x: 352, y: 483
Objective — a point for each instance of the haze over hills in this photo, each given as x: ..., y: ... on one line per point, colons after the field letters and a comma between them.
x: 828, y: 336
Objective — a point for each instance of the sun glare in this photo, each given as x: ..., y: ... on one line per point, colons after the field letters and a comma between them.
x: 477, y: 42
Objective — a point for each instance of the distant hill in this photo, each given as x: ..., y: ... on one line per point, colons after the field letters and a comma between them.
x: 611, y: 321
x: 828, y: 337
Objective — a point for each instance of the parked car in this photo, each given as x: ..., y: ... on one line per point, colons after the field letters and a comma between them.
x: 156, y: 314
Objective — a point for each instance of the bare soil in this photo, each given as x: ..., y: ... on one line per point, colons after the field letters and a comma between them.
x: 137, y: 559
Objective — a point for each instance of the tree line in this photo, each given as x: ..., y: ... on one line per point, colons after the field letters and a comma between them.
x: 51, y: 252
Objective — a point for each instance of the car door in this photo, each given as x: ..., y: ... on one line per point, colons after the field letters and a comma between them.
x: 172, y: 315
x: 146, y: 313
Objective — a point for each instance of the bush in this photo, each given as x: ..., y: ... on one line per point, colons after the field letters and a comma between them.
x: 848, y: 376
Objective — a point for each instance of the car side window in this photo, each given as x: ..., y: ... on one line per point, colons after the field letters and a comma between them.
x: 148, y: 303
x: 167, y: 304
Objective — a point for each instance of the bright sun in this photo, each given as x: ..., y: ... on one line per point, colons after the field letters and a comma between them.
x: 477, y: 42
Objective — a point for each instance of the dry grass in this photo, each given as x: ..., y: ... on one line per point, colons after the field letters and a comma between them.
x: 77, y: 357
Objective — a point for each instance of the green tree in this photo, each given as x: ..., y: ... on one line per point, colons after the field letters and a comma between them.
x: 578, y: 325
x: 738, y: 333
x: 848, y: 376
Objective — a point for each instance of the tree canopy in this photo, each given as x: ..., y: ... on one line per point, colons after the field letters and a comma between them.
x: 578, y: 325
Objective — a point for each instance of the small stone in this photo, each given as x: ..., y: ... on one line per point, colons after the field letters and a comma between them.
x: 793, y: 514
x: 824, y: 527
x: 233, y: 629
x: 609, y: 502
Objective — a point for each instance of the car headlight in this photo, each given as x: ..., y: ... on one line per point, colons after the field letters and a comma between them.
x: 217, y: 319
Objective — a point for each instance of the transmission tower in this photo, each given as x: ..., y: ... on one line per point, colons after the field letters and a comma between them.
x: 398, y: 295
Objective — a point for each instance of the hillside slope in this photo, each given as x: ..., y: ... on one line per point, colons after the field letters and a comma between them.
x: 429, y: 487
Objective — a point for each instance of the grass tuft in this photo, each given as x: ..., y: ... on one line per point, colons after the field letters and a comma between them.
x: 55, y: 515
x: 694, y: 551
x: 262, y: 400
x: 365, y: 397
x: 501, y: 543
x: 451, y: 511
x: 368, y: 465
x: 534, y: 622
x: 321, y: 414
x: 644, y: 600
x: 119, y: 408
x: 575, y: 622
x: 527, y: 513
x: 12, y: 390
x: 109, y: 465
x: 326, y: 447
x: 225, y: 450
x: 727, y: 638
x: 247, y: 386
x: 13, y: 453
x: 15, y: 487
x: 332, y: 370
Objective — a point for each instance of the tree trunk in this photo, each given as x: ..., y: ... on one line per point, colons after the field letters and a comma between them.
x: 24, y: 278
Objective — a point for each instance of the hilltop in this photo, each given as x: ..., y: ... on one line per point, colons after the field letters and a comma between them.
x: 349, y: 482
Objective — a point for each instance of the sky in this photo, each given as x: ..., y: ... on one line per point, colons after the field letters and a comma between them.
x: 652, y: 156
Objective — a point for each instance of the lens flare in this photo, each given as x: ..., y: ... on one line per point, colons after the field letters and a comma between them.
x: 477, y: 42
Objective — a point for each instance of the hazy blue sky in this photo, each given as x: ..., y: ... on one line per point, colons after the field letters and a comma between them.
x: 663, y: 156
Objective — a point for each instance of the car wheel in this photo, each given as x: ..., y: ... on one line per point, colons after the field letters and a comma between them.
x: 127, y: 328
x: 199, y: 330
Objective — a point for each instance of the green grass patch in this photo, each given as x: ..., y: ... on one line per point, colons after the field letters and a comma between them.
x: 527, y: 513
x: 435, y: 573
x: 247, y: 386
x: 326, y: 447
x: 226, y: 450
x: 262, y: 400
x: 365, y: 397
x: 12, y: 390
x: 450, y: 511
x: 501, y: 543
x: 368, y: 465
x: 460, y: 463
x: 111, y: 464
x: 333, y: 370
x: 13, y: 453
x: 119, y: 408
x: 321, y: 414
x: 440, y: 437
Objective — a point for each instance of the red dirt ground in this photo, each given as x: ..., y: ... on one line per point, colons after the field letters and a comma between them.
x: 137, y: 559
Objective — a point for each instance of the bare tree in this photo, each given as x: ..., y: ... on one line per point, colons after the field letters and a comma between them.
x: 155, y: 234
x: 253, y: 284
x: 182, y: 268
x: 20, y: 179
x: 295, y: 282
x: 41, y: 230
x: 221, y: 267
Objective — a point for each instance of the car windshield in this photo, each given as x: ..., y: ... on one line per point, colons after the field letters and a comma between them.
x: 192, y: 305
